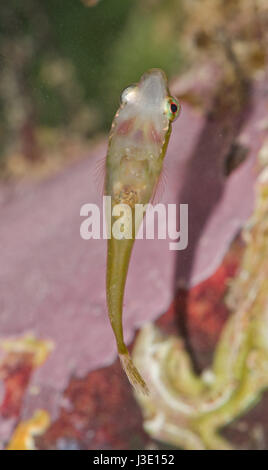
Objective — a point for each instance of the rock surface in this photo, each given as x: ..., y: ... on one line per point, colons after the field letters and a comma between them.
x: 53, y: 282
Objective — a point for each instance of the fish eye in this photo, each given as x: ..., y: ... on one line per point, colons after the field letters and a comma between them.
x: 172, y: 108
x: 128, y: 94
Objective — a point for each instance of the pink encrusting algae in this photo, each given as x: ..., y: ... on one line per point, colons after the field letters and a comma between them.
x: 187, y: 410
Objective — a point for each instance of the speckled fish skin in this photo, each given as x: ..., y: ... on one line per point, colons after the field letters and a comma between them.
x: 137, y: 145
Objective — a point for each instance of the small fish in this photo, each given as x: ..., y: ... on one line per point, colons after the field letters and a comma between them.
x: 137, y: 146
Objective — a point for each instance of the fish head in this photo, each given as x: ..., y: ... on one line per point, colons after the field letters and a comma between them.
x: 144, y: 118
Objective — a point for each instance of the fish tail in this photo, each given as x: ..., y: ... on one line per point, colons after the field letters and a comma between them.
x: 119, y: 252
x: 133, y: 374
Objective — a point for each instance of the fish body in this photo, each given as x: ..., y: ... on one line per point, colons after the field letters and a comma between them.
x: 137, y: 145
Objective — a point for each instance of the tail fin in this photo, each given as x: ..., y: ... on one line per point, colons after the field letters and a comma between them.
x: 133, y: 375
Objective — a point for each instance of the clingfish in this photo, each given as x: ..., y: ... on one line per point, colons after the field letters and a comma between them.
x: 137, y: 146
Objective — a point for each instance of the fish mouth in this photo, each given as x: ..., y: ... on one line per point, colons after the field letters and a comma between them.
x: 153, y: 88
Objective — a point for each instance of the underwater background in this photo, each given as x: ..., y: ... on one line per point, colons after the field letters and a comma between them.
x: 196, y: 320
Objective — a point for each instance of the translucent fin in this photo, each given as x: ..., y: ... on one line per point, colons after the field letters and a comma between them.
x: 99, y: 175
x: 133, y: 375
x: 160, y: 187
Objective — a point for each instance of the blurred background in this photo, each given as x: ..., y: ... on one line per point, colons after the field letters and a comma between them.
x: 63, y: 66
